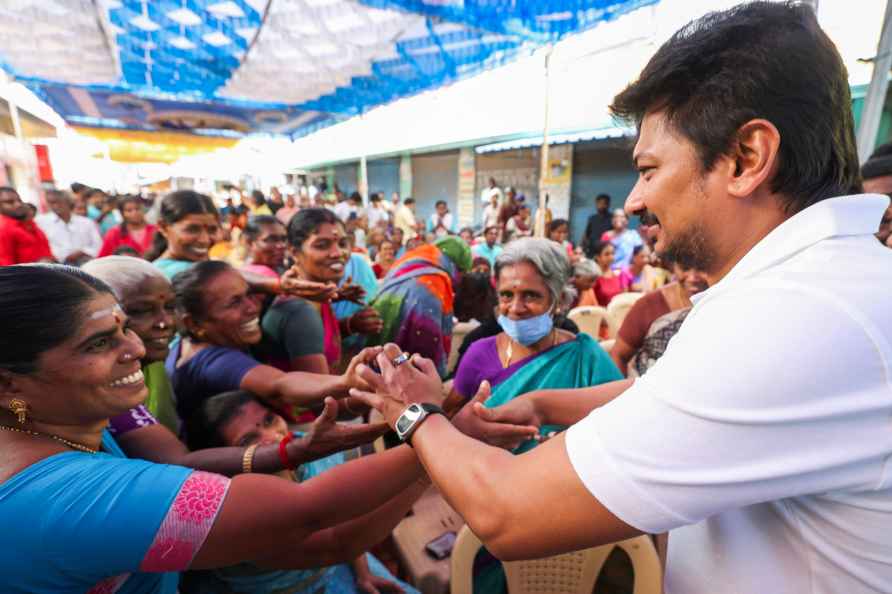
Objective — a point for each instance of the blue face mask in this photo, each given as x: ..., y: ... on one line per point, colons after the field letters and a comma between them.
x: 528, y: 331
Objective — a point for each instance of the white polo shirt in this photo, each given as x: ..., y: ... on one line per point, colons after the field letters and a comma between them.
x: 78, y: 234
x: 762, y: 437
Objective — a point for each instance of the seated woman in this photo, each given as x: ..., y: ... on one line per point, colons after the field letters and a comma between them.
x: 638, y: 264
x: 68, y: 363
x: 481, y: 265
x: 530, y: 353
x: 147, y: 298
x: 653, y: 320
x: 238, y: 420
x: 559, y: 231
x: 220, y: 322
x: 416, y: 298
x: 302, y: 335
x: 384, y: 258
x: 610, y: 282
x: 134, y: 231
x: 585, y: 274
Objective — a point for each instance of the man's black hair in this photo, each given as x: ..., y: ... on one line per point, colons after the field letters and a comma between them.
x: 758, y: 60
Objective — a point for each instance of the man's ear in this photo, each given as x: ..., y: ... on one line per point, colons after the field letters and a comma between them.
x: 754, y: 157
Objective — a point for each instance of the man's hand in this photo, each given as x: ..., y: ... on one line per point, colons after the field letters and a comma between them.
x: 395, y: 388
x: 326, y: 436
x: 519, y: 411
x: 350, y: 292
x: 293, y: 284
x: 495, y: 431
x: 366, y: 321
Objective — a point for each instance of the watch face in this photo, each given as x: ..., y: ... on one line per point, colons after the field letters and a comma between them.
x: 403, y: 424
x: 408, y: 418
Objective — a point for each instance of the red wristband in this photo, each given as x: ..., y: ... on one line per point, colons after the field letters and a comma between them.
x: 283, y: 454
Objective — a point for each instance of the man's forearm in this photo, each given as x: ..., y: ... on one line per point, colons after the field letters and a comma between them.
x: 566, y: 407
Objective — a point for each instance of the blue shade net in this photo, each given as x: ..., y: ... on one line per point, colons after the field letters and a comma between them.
x: 286, y: 67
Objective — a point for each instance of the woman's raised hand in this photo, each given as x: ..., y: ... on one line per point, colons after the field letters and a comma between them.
x: 366, y: 321
x: 350, y: 292
x: 293, y: 284
x: 352, y: 377
x: 326, y: 436
x: 501, y: 430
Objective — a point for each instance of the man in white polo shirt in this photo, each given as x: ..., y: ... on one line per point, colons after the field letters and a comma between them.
x: 72, y: 237
x: 762, y: 440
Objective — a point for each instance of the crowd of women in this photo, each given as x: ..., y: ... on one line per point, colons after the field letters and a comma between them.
x: 150, y: 405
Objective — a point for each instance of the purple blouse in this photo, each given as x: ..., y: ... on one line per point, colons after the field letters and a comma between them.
x: 481, y: 362
x: 134, y: 418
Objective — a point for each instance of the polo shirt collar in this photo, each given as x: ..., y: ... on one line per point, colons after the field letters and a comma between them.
x: 857, y: 214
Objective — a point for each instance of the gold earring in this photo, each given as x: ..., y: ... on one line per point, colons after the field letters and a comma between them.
x: 20, y: 409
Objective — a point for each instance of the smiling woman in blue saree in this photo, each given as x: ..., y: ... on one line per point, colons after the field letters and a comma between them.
x: 78, y: 516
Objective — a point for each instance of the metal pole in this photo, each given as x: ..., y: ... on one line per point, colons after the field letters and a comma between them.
x: 543, y: 166
x: 364, y: 181
x: 872, y: 110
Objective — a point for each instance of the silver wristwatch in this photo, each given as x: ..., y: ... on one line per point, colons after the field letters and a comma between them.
x: 412, y: 417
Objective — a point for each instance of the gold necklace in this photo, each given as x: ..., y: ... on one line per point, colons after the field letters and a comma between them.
x: 71, y: 444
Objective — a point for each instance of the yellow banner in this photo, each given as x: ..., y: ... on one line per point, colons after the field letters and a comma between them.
x: 135, y: 146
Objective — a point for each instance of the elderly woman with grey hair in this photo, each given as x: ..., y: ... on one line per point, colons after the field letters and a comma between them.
x: 530, y: 353
x: 147, y: 299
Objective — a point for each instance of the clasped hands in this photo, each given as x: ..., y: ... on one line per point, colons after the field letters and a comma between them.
x: 394, y: 387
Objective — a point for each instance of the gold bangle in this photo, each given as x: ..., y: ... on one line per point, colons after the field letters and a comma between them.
x: 248, y: 459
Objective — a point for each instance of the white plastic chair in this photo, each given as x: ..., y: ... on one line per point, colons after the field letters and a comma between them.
x: 588, y: 318
x: 617, y: 309
x: 570, y: 573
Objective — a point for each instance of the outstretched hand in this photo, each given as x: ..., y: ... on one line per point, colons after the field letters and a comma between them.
x: 396, y: 387
x: 518, y: 411
x: 350, y: 292
x: 352, y: 376
x: 496, y: 430
x: 366, y: 321
x: 292, y: 284
x: 417, y: 381
x: 326, y: 436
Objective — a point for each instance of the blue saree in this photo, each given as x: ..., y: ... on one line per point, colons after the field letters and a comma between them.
x: 76, y: 522
x: 579, y: 363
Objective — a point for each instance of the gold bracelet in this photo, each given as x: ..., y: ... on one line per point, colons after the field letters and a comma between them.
x: 248, y: 459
